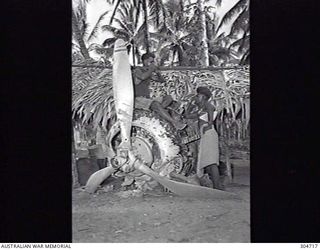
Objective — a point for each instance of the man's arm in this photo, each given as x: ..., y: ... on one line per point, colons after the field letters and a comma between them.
x: 191, y: 112
x: 141, y: 75
x: 157, y: 77
x: 210, y: 110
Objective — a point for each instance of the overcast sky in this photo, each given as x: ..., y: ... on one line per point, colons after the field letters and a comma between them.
x: 96, y: 7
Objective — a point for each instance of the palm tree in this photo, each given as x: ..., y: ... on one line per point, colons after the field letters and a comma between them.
x: 84, y: 38
x: 128, y: 29
x: 151, y: 9
x: 201, y: 22
x: 203, y: 34
x: 172, y: 38
x: 78, y: 25
x: 240, y: 28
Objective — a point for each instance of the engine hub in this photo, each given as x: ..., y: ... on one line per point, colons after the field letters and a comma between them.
x: 142, y: 149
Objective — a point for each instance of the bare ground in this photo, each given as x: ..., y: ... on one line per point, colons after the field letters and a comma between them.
x: 163, y: 217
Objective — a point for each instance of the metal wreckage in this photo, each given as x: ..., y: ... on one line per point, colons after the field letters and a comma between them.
x: 139, y: 145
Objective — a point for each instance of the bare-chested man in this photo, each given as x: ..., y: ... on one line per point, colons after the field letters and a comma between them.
x: 142, y: 78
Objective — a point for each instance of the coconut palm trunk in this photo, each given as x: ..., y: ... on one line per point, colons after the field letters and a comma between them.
x: 147, y: 35
x: 78, y: 37
x: 203, y: 35
x: 75, y: 179
x: 133, y: 53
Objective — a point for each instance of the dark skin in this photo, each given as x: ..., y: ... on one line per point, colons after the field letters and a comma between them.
x: 153, y: 73
x: 201, y: 103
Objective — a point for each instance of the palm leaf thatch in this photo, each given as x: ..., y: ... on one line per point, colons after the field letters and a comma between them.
x: 94, y: 101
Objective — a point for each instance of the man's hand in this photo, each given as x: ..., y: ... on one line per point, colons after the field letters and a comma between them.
x: 153, y: 67
x: 160, y: 77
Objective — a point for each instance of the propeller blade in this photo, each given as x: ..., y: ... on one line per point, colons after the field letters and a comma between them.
x: 185, y: 189
x: 97, y: 178
x: 123, y: 91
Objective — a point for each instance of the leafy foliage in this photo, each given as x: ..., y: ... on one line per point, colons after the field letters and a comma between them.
x: 92, y: 96
x: 178, y: 28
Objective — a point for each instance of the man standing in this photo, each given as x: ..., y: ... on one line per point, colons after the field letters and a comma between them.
x: 142, y: 78
x: 208, y: 146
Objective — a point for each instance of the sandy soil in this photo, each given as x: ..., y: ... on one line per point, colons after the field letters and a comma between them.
x: 163, y: 217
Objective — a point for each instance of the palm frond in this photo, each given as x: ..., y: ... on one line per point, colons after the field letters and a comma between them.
x: 185, y: 38
x: 138, y: 9
x: 245, y: 43
x: 125, y: 6
x: 95, y: 101
x: 159, y: 36
x: 237, y: 8
x: 95, y: 29
x: 124, y: 26
x: 75, y: 45
x: 245, y: 58
x: 132, y: 16
x: 110, y: 1
x: 218, y: 3
x: 138, y: 36
x: 190, y: 6
x: 115, y: 31
x: 116, y: 6
x: 240, y: 42
x: 99, y: 49
x: 241, y: 21
x: 164, y: 53
x: 121, y: 13
x: 157, y: 11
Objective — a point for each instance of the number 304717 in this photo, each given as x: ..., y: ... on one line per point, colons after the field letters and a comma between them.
x: 309, y: 245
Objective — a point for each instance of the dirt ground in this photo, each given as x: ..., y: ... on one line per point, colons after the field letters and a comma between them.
x: 164, y: 217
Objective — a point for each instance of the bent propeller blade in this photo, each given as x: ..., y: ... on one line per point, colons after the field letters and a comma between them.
x: 185, y: 189
x: 97, y: 178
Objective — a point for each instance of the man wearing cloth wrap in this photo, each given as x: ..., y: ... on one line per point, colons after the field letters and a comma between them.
x: 208, y: 146
x: 142, y: 78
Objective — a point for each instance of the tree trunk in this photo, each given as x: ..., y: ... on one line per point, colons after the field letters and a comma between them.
x: 78, y: 37
x: 203, y: 36
x: 146, y: 34
x: 75, y: 179
x: 133, y: 54
x: 181, y: 56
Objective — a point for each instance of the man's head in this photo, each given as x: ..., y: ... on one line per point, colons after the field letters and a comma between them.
x: 148, y: 59
x: 203, y: 94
